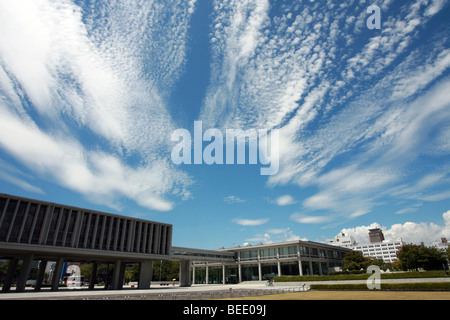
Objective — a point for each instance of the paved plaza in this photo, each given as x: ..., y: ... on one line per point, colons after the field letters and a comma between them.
x: 156, y: 292
x: 194, y: 292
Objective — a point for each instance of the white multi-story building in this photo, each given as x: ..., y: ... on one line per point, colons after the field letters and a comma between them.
x: 343, y: 240
x: 443, y: 244
x: 382, y: 249
x: 386, y: 250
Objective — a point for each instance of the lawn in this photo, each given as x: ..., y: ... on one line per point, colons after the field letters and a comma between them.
x: 354, y: 295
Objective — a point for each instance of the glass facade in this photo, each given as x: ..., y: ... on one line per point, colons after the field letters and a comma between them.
x: 306, y: 268
x: 250, y: 273
x: 249, y: 255
x: 215, y: 275
x: 289, y: 268
x: 266, y: 262
x: 288, y: 252
x: 268, y: 253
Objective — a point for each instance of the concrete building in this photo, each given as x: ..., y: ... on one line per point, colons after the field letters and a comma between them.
x: 343, y: 240
x: 34, y: 231
x: 386, y: 250
x: 265, y: 261
x: 39, y: 233
x: 378, y: 248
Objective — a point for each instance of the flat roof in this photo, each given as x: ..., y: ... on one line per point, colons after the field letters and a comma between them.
x: 49, y: 203
x: 286, y: 243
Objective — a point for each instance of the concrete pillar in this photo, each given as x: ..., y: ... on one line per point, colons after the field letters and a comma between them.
x: 279, y: 268
x: 57, y: 273
x: 259, y: 272
x: 300, y: 269
x: 320, y: 268
x: 259, y: 266
x: 10, y: 274
x: 185, y: 266
x: 193, y: 274
x: 40, y: 277
x: 93, y: 277
x: 26, y: 267
x: 239, y: 273
x: 145, y: 274
x: 207, y: 274
x: 117, y: 278
x: 223, y: 274
x: 311, y: 272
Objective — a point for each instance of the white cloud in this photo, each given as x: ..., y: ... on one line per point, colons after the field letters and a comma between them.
x: 233, y: 199
x: 275, y: 235
x: 79, y: 99
x: 391, y: 145
x: 250, y: 222
x: 285, y: 200
x: 410, y: 232
x: 306, y: 219
x: 20, y: 183
x: 99, y: 176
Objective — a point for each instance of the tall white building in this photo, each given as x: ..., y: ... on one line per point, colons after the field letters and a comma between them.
x: 386, y: 250
x: 378, y: 248
x: 442, y: 245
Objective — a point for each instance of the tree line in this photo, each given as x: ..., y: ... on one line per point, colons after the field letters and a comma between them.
x: 410, y: 257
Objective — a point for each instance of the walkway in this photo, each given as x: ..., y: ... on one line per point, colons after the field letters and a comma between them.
x: 195, y: 292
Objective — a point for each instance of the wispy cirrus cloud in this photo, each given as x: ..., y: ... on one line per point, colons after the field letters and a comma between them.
x: 83, y: 94
x: 349, y: 101
x: 233, y: 199
x: 357, y: 110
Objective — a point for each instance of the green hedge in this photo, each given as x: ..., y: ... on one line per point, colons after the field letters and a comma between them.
x: 422, y: 286
x: 364, y: 276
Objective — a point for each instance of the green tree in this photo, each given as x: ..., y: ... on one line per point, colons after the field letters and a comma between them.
x: 132, y: 273
x: 432, y: 258
x: 408, y: 257
x: 355, y: 261
x: 413, y: 257
x: 165, y: 270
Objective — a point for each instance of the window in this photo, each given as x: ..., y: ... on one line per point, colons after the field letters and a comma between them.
x: 288, y: 252
x: 249, y: 255
x: 268, y: 253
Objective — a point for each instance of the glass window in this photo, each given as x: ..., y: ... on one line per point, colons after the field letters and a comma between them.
x: 304, y: 251
x: 268, y: 253
x: 249, y: 254
x: 288, y: 251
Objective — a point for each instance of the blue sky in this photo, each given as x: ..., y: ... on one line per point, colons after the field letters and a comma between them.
x: 90, y: 93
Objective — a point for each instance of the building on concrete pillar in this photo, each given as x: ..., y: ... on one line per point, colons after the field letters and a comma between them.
x: 34, y: 232
x: 266, y: 261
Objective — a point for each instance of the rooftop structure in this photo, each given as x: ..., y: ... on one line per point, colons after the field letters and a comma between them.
x: 376, y: 235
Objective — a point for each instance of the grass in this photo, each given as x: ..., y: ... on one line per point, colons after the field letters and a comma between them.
x: 354, y: 295
x: 418, y: 286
